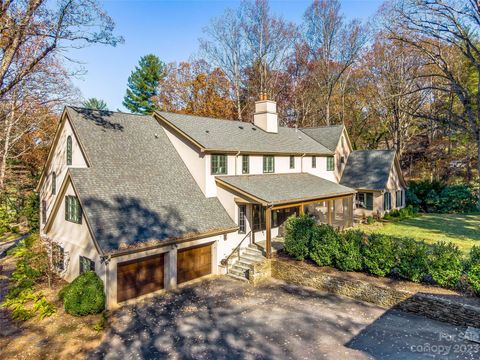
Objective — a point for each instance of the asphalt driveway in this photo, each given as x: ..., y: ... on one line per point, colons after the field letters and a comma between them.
x: 220, y: 318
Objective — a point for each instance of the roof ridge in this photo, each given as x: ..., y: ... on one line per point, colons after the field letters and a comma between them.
x: 75, y: 108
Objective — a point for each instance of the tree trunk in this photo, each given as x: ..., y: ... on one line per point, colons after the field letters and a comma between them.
x: 6, y: 147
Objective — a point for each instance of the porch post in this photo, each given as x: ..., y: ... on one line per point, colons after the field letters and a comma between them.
x: 268, y: 223
x: 251, y: 225
x: 302, y: 208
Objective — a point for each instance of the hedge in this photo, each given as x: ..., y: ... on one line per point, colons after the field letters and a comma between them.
x: 382, y: 255
x: 436, y: 197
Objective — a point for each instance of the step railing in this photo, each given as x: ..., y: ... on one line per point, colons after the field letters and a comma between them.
x: 226, y: 261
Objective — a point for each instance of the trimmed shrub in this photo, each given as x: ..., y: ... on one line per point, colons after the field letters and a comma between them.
x: 298, y: 232
x: 349, y: 257
x: 378, y: 254
x: 324, y: 245
x: 413, y: 259
x: 84, y: 295
x: 473, y: 277
x: 445, y: 264
x: 370, y: 220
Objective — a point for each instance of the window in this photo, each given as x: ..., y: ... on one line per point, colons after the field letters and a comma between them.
x: 399, y: 198
x: 268, y: 164
x: 364, y: 201
x: 258, y: 217
x: 73, y: 210
x: 54, y: 183
x: 245, y: 164
x: 69, y: 150
x: 342, y: 160
x: 58, y: 257
x: 219, y: 164
x: 86, y: 264
x: 242, y: 217
x: 387, y: 201
x: 314, y: 162
x: 292, y: 162
x: 44, y: 211
x: 330, y: 163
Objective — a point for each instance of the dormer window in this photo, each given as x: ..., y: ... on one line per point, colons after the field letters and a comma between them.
x: 219, y: 164
x: 69, y: 150
x: 54, y: 183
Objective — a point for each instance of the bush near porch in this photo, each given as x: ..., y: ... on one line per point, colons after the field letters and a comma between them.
x: 439, y: 263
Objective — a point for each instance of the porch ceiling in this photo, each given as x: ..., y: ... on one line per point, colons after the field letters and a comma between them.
x: 277, y: 189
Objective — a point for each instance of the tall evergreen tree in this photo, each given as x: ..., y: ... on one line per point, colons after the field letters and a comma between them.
x: 143, y: 85
x: 95, y: 104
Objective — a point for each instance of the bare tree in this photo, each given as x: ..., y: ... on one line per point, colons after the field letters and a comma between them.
x: 334, y: 46
x: 446, y: 34
x: 395, y: 75
x: 224, y: 47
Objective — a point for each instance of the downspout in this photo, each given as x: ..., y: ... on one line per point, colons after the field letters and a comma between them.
x: 236, y: 158
x: 301, y: 162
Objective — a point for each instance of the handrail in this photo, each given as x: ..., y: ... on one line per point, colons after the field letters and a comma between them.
x: 237, y: 248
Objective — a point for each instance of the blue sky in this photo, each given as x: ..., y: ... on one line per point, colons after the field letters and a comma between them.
x: 169, y: 29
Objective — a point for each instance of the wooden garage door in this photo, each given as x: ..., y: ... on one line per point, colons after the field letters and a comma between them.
x: 139, y: 277
x: 194, y: 262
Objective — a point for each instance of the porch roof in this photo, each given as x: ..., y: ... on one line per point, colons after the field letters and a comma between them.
x: 277, y: 189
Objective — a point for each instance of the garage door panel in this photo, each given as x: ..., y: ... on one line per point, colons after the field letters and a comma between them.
x: 140, y: 277
x: 194, y: 262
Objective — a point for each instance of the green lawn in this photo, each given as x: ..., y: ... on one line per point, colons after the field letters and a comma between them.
x: 462, y: 230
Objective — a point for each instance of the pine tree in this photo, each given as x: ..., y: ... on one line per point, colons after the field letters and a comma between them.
x: 143, y: 85
x: 95, y: 104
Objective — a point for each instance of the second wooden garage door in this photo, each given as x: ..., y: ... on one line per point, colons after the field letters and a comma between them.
x: 194, y: 262
x: 139, y: 277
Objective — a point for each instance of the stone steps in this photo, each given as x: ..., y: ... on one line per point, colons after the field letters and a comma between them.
x: 249, y: 256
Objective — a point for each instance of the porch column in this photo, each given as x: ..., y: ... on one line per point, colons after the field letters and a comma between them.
x: 251, y: 225
x: 268, y: 224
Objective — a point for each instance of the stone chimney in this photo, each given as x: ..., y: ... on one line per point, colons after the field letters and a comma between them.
x: 266, y: 117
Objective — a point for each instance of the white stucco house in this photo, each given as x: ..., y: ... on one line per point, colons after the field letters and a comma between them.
x: 149, y: 202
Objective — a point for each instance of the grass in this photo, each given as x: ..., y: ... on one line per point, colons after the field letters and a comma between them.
x: 460, y: 229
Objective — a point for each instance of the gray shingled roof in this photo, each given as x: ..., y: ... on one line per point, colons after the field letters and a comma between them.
x: 328, y: 136
x: 283, y: 188
x: 229, y: 135
x: 368, y: 169
x: 138, y: 191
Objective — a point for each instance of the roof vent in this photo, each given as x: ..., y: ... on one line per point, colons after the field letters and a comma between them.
x: 207, y: 131
x: 240, y: 127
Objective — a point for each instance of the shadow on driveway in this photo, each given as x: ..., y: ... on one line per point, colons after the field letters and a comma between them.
x: 220, y: 318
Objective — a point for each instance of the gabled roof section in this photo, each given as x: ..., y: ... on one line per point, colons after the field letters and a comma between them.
x: 137, y: 191
x: 328, y: 136
x: 275, y: 189
x: 368, y: 169
x: 217, y: 135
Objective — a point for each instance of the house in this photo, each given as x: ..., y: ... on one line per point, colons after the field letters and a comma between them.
x: 377, y: 177
x: 150, y: 202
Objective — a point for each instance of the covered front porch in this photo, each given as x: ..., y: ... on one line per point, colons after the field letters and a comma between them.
x: 266, y: 201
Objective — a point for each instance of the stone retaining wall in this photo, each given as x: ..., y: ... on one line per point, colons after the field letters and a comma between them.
x: 437, y: 307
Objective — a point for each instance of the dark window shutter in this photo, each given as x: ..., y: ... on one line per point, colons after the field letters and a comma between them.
x: 369, y: 201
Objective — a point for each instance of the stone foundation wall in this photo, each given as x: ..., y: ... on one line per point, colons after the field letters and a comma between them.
x: 436, y: 307
x: 260, y: 272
